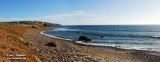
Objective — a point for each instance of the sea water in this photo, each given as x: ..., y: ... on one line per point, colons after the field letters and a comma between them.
x: 139, y: 37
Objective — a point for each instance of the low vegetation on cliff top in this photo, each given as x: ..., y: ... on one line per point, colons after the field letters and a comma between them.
x: 33, y: 23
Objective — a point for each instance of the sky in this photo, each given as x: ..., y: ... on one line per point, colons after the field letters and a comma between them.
x: 82, y: 12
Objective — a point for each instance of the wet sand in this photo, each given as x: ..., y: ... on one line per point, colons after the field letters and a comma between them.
x: 69, y: 51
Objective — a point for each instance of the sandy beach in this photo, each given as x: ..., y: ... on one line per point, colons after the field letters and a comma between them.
x: 69, y: 51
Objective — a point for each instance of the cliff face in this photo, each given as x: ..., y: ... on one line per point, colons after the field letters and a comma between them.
x: 10, y: 45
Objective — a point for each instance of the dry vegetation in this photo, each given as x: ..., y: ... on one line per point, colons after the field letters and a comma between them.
x: 12, y: 42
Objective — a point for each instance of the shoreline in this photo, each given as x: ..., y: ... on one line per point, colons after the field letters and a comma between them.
x: 156, y: 53
x: 67, y: 50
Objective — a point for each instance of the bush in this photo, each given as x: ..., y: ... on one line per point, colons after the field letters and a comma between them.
x: 24, y: 42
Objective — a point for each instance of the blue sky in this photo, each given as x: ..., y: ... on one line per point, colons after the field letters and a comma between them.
x: 82, y: 12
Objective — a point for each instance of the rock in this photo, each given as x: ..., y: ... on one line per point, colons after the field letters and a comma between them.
x: 12, y: 49
x: 102, y: 36
x: 84, y: 38
x: 51, y: 44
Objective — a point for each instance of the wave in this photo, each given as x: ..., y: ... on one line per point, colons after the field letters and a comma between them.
x: 42, y: 32
x: 110, y: 33
x: 120, y: 35
x: 118, y: 46
x: 65, y: 29
x: 155, y: 36
x: 149, y: 43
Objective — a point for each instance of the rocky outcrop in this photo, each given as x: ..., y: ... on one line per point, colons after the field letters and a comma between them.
x: 84, y: 38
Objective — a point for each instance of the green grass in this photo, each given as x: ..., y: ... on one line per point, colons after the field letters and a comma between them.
x: 24, y: 42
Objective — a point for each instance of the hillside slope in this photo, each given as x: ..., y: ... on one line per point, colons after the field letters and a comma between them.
x: 11, y: 42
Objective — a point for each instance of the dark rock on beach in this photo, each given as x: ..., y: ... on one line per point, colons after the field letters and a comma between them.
x: 51, y: 44
x: 84, y: 38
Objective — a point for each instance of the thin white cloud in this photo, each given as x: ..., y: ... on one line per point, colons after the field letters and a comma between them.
x: 78, y: 16
x: 51, y: 17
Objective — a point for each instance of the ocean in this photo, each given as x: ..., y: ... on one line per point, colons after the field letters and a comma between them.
x: 138, y: 37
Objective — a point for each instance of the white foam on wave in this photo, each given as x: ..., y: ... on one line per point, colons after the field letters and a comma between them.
x: 65, y: 29
x: 118, y: 46
x: 42, y: 32
x: 156, y: 36
x: 60, y: 29
x: 94, y: 44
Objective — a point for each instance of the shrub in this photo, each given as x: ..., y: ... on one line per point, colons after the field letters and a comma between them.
x: 24, y: 42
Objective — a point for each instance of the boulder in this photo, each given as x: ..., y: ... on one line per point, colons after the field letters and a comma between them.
x: 102, y: 36
x: 51, y: 44
x: 84, y: 38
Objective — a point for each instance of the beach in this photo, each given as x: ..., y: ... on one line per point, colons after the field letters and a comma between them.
x: 69, y: 51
